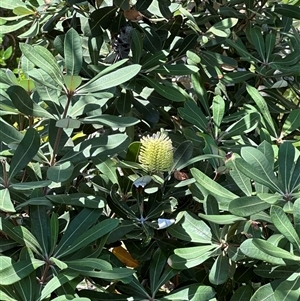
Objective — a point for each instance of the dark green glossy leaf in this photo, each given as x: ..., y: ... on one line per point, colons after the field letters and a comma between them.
x: 242, y: 293
x: 72, y: 52
x: 25, y: 104
x: 182, y: 154
x: 25, y: 152
x: 17, y: 271
x: 246, y: 206
x: 220, y: 270
x: 6, y: 204
x: 290, y: 11
x: 292, y: 122
x: 258, y: 41
x: 284, y: 225
x: 286, y: 157
x: 60, y: 172
x: 193, y: 292
x: 111, y: 121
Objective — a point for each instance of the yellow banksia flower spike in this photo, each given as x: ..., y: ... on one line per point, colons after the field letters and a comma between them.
x: 156, y: 153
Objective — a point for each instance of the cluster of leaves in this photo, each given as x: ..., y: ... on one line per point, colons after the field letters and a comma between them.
x: 80, y: 219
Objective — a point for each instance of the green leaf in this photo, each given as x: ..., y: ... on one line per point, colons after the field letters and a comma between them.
x: 13, y: 26
x: 218, y: 107
x: 89, y: 236
x: 54, y: 231
x: 242, y: 293
x: 30, y: 185
x: 193, y: 292
x: 25, y: 152
x: 190, y: 228
x: 242, y: 126
x: 112, y: 79
x: 42, y: 58
x: 60, y: 172
x: 6, y: 204
x: 169, y: 92
x: 274, y: 251
x: 136, y: 46
x: 157, y: 265
x: 286, y: 156
x: 179, y: 69
x: 270, y: 44
x: 226, y: 219
x: 17, y: 271
x: 258, y: 168
x: 265, y: 292
x: 284, y: 226
x: 291, y: 123
x: 68, y: 123
x: 182, y: 154
x: 185, y: 258
x: 252, y: 251
x: 188, y: 43
x: 72, y: 52
x: 8, y: 134
x: 79, y: 225
x: 85, y: 264
x: 220, y: 270
x: 258, y: 41
x: 290, y: 11
x: 222, y: 195
x: 237, y: 77
x: 25, y: 104
x: 124, y: 4
x: 263, y: 108
x: 110, y: 120
x: 193, y: 114
x: 239, y: 178
x: 72, y: 82
x: 56, y: 282
x: 100, y: 146
x: 78, y: 199
x: 288, y: 290
x: 246, y: 206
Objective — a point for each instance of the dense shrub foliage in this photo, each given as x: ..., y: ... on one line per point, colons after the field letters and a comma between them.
x: 149, y: 150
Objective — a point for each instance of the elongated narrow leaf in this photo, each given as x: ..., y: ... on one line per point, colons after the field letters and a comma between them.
x: 169, y: 92
x: 79, y: 225
x: 6, y: 204
x: 218, y: 109
x: 222, y: 195
x: 9, y: 134
x: 292, y: 122
x: 90, y: 236
x: 274, y: 251
x: 182, y: 154
x: 25, y: 151
x: 193, y: 114
x: 19, y: 270
x: 242, y: 293
x: 193, y: 292
x: 54, y: 231
x: 260, y: 163
x: 40, y: 226
x: 111, y: 121
x: 42, y: 58
x: 288, y: 290
x: 112, y: 79
x: 56, y: 282
x: 242, y: 181
x: 220, y: 270
x: 178, y: 69
x: 290, y: 11
x: 249, y: 249
x: 284, y: 226
x: 89, y: 263
x: 242, y: 126
x: 73, y: 52
x: 258, y: 41
x: 191, y: 228
x: 226, y: 219
x: 286, y: 158
x: 157, y: 265
x: 263, y: 108
x: 25, y: 104
x: 246, y: 206
x: 185, y: 258
x: 265, y: 292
